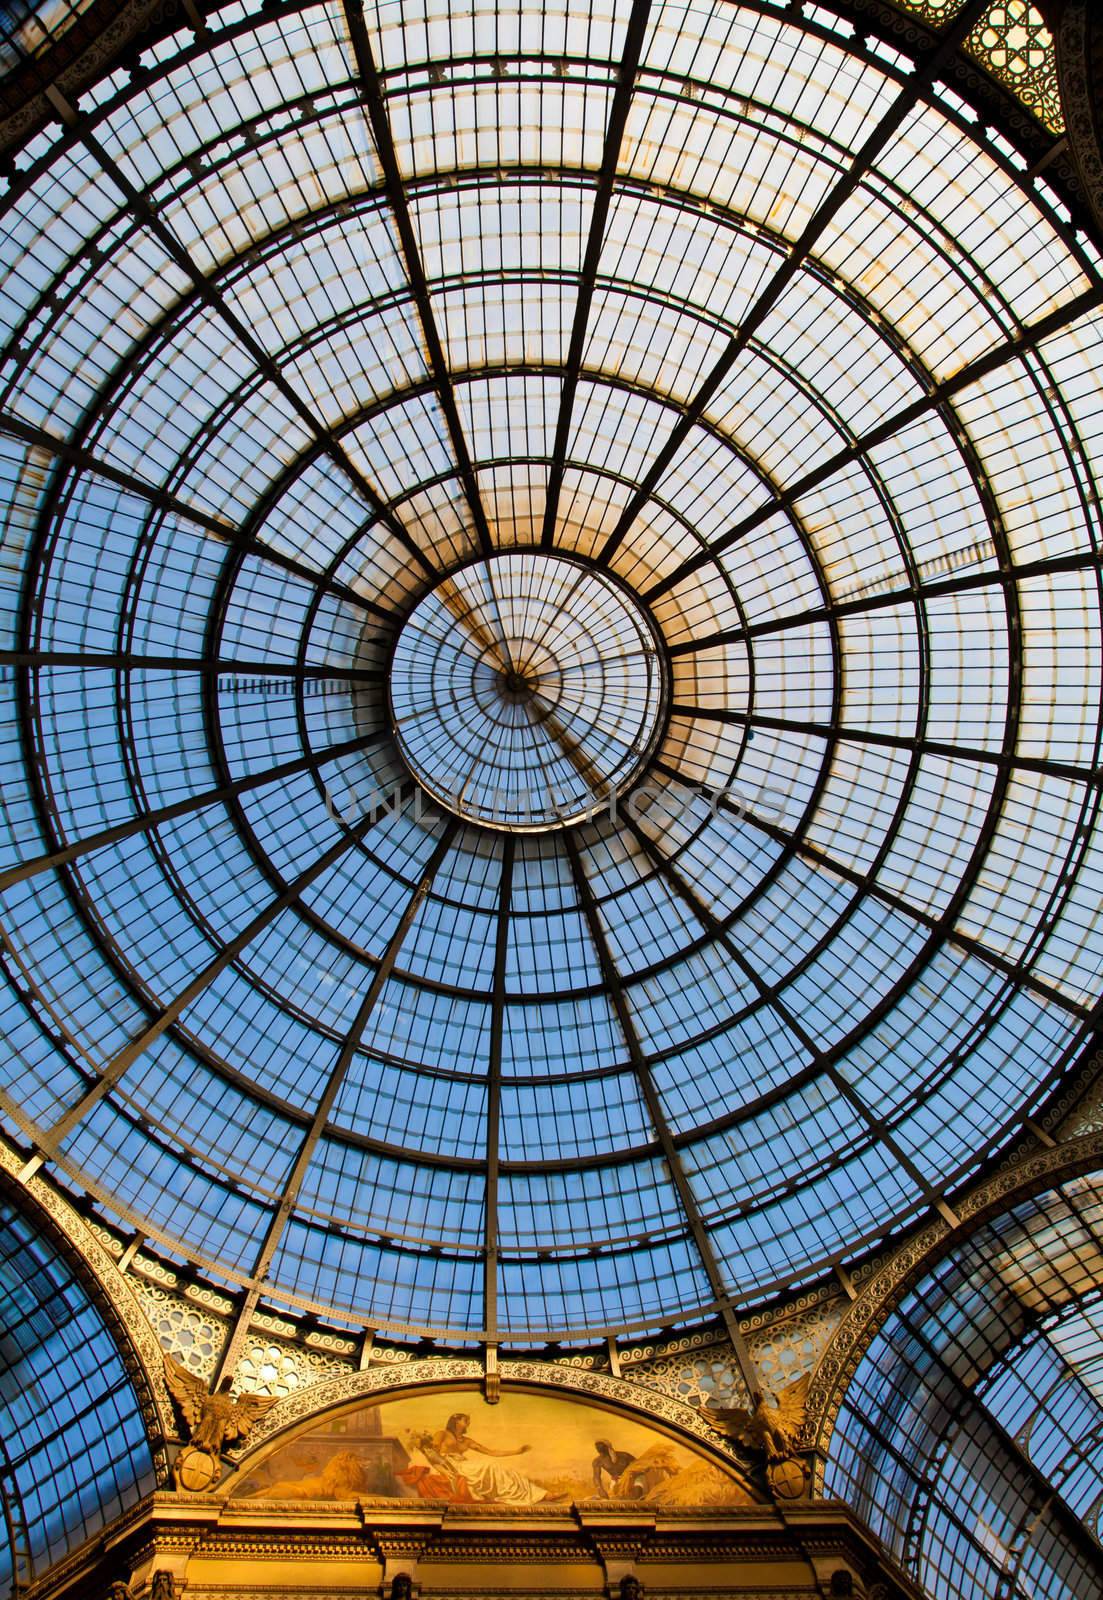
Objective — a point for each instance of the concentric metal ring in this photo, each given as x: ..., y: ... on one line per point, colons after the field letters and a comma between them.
x: 527, y: 691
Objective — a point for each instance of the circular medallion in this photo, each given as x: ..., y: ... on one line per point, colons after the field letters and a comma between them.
x: 527, y: 691
x: 787, y: 1479
x: 196, y: 1470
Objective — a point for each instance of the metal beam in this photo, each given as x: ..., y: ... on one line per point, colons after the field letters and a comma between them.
x: 938, y: 394
x: 161, y: 500
x: 231, y: 1350
x: 372, y: 95
x: 147, y: 214
x: 494, y: 1092
x: 610, y: 156
x: 943, y: 53
x: 801, y: 846
x: 132, y: 661
x: 145, y: 820
x: 344, y: 1060
x: 892, y: 741
x: 770, y: 995
x: 671, y: 1157
x: 1046, y: 1498
x: 887, y: 599
x: 121, y: 1063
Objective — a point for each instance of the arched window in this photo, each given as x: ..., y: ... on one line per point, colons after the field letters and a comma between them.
x: 971, y: 1438
x: 73, y: 1446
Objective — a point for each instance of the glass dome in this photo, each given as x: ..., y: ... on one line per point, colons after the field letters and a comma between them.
x: 722, y: 353
x: 971, y: 1437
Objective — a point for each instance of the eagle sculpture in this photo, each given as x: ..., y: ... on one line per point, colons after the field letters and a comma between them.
x: 771, y: 1428
x: 213, y: 1419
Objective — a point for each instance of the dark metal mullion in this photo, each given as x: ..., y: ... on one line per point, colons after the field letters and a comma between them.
x: 919, y: 1476
x: 372, y: 96
x: 938, y: 394
x: 132, y: 661
x: 146, y: 820
x: 947, y: 47
x: 1001, y: 759
x: 124, y: 1059
x: 382, y: 973
x: 494, y: 1092
x: 1048, y: 1497
x: 889, y: 599
x: 161, y: 500
x: 216, y: 748
x: 770, y: 995
x: 800, y: 846
x: 147, y: 213
x: 614, y: 135
x: 671, y: 1158
x: 77, y: 456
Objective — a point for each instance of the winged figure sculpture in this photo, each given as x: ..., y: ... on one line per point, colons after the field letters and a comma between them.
x: 771, y: 1427
x: 214, y: 1420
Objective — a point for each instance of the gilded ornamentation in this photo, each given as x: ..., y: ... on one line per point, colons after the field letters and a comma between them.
x: 277, y: 1325
x: 266, y: 1367
x: 1087, y: 1115
x: 210, y: 1298
x: 305, y: 1403
x: 113, y: 1245
x: 1078, y: 101
x: 150, y: 1267
x: 648, y: 1352
x: 702, y: 1370
x: 711, y: 1374
x: 1016, y: 47
x: 791, y: 1345
x: 773, y: 1425
x: 213, y: 1420
x: 191, y: 1335
x: 333, y: 1342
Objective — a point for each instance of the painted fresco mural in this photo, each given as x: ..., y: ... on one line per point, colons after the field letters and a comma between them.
x: 530, y: 1449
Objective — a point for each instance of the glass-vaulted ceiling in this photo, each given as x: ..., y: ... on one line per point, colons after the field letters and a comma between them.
x: 368, y: 373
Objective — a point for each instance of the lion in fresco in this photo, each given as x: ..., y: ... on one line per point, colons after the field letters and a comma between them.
x: 342, y: 1478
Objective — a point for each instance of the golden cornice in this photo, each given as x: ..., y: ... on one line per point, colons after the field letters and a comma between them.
x: 204, y: 1536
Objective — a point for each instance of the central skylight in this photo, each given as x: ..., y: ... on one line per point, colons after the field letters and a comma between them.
x: 526, y: 691
x: 366, y: 373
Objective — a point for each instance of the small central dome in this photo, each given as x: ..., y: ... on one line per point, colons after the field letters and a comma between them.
x: 527, y: 690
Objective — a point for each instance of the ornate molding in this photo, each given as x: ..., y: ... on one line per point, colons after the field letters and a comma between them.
x: 374, y: 1381
x: 1080, y: 77
x: 81, y: 55
x: 866, y: 1315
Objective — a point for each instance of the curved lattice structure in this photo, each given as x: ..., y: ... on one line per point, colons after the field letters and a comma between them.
x: 685, y: 416
x: 971, y: 1438
x: 73, y: 1446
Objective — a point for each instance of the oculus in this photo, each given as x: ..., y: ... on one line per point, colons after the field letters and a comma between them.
x: 526, y: 690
